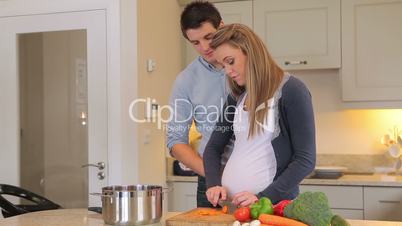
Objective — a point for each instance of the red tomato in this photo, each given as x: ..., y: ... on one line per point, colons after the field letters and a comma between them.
x: 242, y: 214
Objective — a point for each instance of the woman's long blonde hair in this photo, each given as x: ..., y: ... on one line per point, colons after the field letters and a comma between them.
x: 263, y: 75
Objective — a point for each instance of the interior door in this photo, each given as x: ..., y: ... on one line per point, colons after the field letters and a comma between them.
x: 90, y: 102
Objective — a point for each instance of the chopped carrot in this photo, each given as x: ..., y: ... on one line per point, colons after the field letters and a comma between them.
x: 278, y: 220
x: 208, y: 212
x: 225, y: 209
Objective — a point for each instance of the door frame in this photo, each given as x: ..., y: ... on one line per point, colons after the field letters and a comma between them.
x: 114, y: 124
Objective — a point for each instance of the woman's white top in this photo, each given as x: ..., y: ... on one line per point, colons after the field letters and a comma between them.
x: 252, y: 165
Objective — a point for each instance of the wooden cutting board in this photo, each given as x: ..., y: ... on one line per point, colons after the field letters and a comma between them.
x: 196, y: 217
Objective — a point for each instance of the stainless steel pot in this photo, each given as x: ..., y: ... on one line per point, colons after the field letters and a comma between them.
x: 132, y: 205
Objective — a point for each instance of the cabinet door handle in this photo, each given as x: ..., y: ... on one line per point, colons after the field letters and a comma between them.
x: 390, y: 201
x: 295, y: 62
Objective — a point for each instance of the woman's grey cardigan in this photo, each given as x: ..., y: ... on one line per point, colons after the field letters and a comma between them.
x: 294, y: 147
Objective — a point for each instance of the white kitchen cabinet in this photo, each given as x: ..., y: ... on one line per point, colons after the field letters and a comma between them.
x: 300, y: 34
x: 349, y: 213
x: 346, y: 201
x: 236, y: 12
x: 371, y: 50
x: 350, y: 202
x: 182, y: 196
x: 383, y: 203
x: 231, y: 12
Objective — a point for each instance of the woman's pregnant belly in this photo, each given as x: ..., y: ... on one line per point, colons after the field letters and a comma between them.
x: 250, y: 168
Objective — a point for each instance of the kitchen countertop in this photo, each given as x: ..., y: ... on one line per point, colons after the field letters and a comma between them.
x: 64, y: 217
x: 381, y: 180
x: 82, y: 217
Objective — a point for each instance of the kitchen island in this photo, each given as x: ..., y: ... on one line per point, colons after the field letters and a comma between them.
x: 83, y: 217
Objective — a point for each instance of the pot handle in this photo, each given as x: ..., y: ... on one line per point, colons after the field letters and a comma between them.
x: 165, y: 190
x: 99, y: 194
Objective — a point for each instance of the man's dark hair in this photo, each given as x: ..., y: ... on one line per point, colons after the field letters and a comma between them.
x: 198, y: 12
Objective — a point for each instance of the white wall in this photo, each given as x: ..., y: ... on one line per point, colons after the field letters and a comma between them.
x: 347, y: 128
x: 158, y: 38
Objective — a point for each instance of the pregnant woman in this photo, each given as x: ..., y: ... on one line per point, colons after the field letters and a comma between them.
x: 271, y: 115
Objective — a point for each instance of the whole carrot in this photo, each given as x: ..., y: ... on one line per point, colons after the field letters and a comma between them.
x: 279, y: 221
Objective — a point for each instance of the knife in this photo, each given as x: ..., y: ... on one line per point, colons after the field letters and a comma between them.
x: 231, y: 207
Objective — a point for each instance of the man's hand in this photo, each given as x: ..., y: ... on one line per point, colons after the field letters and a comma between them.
x: 216, y: 193
x: 244, y: 198
x: 189, y: 157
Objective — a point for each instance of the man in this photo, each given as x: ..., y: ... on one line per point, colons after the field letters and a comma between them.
x: 198, y: 92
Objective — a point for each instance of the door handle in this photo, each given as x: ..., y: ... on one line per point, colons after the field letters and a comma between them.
x: 99, y: 165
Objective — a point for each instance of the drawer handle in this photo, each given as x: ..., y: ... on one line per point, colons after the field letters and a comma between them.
x: 390, y: 201
x: 295, y: 62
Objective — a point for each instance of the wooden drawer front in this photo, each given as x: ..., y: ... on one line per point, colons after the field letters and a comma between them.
x: 349, y: 214
x: 382, y: 203
x: 340, y: 197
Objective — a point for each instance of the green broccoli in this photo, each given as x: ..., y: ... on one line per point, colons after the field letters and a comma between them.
x: 311, y: 208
